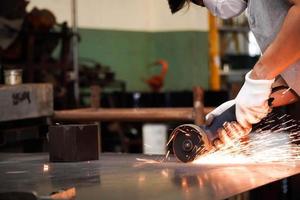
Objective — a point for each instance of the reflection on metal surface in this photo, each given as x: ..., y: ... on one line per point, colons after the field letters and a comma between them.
x: 74, y: 175
x: 147, y: 161
x: 18, y: 196
x: 141, y: 179
x: 68, y: 194
x: 261, y: 148
x: 142, y: 162
x: 124, y: 176
x: 16, y: 172
x: 165, y: 173
x: 45, y: 168
x: 226, y: 180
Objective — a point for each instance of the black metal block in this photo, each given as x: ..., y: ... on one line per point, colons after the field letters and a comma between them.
x: 72, y: 143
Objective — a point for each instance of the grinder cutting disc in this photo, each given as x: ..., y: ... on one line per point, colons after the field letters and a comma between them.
x: 188, y: 142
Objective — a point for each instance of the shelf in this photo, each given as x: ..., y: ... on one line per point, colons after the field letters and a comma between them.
x: 234, y: 29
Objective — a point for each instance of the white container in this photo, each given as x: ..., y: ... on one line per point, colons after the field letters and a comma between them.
x: 13, y: 76
x: 154, y: 139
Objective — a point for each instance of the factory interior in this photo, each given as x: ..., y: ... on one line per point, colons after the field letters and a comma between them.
x: 112, y: 99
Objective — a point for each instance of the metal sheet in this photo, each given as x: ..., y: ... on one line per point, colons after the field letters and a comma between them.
x: 123, y: 176
x: 26, y: 101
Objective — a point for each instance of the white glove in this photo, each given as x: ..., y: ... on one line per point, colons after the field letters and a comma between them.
x: 230, y: 130
x: 219, y: 110
x: 252, y: 101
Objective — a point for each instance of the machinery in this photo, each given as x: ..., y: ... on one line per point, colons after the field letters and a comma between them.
x: 191, y: 141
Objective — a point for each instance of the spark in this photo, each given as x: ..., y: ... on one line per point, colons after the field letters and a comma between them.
x: 167, y: 154
x: 166, y: 157
x: 170, y: 140
x: 282, y: 116
x: 165, y: 173
x: 267, y: 144
x: 285, y: 91
x: 183, y: 131
x: 149, y: 161
x: 141, y: 162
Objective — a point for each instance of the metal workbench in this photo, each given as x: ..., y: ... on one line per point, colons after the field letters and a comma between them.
x: 135, y: 176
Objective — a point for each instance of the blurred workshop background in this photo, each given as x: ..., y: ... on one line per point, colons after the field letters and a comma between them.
x: 133, y: 54
x: 98, y: 76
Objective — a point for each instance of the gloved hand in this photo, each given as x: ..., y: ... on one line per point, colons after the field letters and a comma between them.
x: 219, y: 110
x: 230, y: 130
x: 252, y: 101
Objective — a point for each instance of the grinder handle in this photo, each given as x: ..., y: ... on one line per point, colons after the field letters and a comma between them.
x: 218, y: 121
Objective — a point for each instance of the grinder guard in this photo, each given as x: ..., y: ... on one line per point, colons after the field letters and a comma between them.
x: 191, y: 140
x: 188, y: 141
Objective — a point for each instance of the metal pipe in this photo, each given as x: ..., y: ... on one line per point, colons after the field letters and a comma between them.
x: 198, y: 105
x: 214, y: 57
x: 127, y: 114
x: 75, y: 49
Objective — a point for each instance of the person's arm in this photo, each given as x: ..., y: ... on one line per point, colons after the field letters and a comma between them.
x: 284, y: 50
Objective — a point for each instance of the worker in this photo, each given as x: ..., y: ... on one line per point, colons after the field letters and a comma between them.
x: 276, y: 27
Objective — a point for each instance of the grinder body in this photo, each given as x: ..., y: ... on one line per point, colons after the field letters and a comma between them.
x: 212, y: 129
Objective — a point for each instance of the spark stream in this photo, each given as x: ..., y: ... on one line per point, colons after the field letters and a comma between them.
x: 275, y: 139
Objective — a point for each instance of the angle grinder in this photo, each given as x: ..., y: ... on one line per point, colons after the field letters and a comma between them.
x: 191, y: 141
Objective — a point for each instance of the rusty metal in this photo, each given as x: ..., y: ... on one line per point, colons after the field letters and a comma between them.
x: 198, y: 105
x: 95, y: 96
x: 195, y: 114
x: 95, y: 103
x: 127, y: 114
x: 125, y: 176
x: 70, y: 143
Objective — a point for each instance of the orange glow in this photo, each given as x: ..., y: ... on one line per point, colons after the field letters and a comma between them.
x: 142, y: 178
x: 65, y: 194
x: 156, y: 82
x: 45, y: 168
x: 262, y: 147
x: 165, y: 173
x: 184, y: 183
